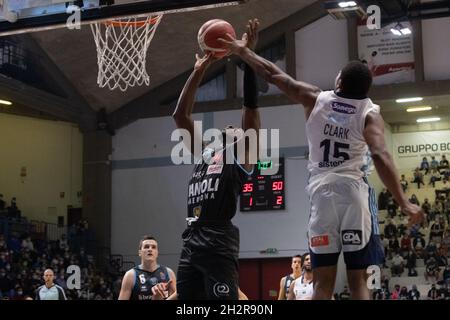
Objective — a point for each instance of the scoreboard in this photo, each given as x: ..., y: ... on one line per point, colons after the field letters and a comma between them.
x: 264, y: 192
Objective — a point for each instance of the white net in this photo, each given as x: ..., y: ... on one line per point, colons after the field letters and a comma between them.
x: 122, y: 47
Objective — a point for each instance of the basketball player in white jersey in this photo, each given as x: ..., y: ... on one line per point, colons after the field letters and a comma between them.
x: 302, y: 287
x: 285, y: 282
x: 345, y: 133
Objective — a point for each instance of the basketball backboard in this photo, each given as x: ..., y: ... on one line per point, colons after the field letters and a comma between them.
x: 18, y: 16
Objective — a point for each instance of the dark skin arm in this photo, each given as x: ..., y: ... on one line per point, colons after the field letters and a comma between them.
x: 384, y: 164
x: 298, y: 91
x: 183, y: 111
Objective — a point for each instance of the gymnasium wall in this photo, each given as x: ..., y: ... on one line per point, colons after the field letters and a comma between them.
x: 51, y: 154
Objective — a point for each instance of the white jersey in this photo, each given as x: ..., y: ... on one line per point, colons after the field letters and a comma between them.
x: 335, y: 137
x: 303, y: 290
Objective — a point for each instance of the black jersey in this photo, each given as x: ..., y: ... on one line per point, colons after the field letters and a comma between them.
x: 214, y: 188
x: 287, y: 285
x: 145, y: 280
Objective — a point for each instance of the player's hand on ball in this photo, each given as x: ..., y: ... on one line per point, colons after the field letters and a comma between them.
x: 205, y: 61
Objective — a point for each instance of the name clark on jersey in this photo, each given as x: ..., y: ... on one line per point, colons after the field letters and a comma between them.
x: 335, y: 131
x: 203, y: 190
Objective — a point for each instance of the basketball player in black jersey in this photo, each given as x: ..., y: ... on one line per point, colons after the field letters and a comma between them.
x: 149, y: 280
x: 208, y: 267
x: 286, y: 281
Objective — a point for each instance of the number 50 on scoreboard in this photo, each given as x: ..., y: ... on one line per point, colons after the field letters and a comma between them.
x: 264, y: 192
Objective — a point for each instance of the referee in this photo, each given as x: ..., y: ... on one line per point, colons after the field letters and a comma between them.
x: 50, y: 290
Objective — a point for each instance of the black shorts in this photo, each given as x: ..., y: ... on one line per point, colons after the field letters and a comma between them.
x: 208, y: 268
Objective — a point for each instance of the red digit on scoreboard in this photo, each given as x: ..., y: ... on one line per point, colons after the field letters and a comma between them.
x: 248, y: 187
x: 251, y: 201
x: 279, y: 199
x: 277, y: 185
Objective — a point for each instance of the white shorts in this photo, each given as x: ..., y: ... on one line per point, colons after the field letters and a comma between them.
x: 344, y: 218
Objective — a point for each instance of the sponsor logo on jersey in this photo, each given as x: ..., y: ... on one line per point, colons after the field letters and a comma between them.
x: 153, y: 281
x: 196, y: 211
x: 351, y: 237
x: 214, y: 169
x: 343, y: 108
x: 320, y: 241
x: 162, y: 276
x: 221, y: 289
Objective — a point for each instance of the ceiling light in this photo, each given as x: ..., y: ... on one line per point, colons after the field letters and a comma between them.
x: 6, y: 102
x: 396, y: 32
x: 345, y: 4
x: 432, y: 119
x: 414, y: 99
x: 405, y: 31
x: 422, y: 108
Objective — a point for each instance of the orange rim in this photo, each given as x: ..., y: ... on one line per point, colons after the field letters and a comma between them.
x: 116, y: 23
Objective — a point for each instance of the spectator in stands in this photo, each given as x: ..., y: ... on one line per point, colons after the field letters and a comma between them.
x: 403, y: 294
x: 433, y: 293
x: 411, y: 264
x: 446, y: 275
x: 447, y: 208
x: 2, y: 202
x: 434, y: 164
x: 414, y: 294
x: 431, y: 250
x: 396, y: 293
x: 441, y: 258
x: 431, y: 269
x: 405, y: 243
x: 404, y: 183
x: 345, y: 295
x: 443, y: 164
x: 398, y: 265
x: 391, y: 208
x: 419, y: 245
x: 385, y: 243
x: 390, y: 230
x: 435, y: 177
x: 445, y: 243
x: 418, y: 178
x: 437, y: 230
x: 425, y: 165
x: 62, y: 243
x: 426, y: 206
x: 394, y: 246
x: 28, y: 244
x: 414, y: 199
x: 6, y: 283
x: 382, y: 293
x: 383, y: 199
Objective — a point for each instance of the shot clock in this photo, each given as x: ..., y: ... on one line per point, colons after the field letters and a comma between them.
x: 264, y: 192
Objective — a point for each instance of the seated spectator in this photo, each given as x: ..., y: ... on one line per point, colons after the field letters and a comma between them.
x: 63, y: 244
x: 435, y: 177
x: 383, y: 199
x: 404, y: 183
x: 445, y: 243
x: 411, y: 264
x: 446, y: 275
x: 433, y: 293
x: 430, y: 250
x: 405, y: 242
x: 425, y: 166
x: 396, y: 293
x: 441, y: 258
x: 382, y: 293
x: 414, y: 199
x: 434, y: 165
x: 419, y: 246
x: 431, y: 269
x: 391, y: 208
x: 28, y: 244
x: 414, y: 294
x: 418, y: 178
x: 437, y: 230
x: 426, y: 206
x: 390, y: 230
x: 398, y: 265
x: 443, y: 164
x: 403, y: 294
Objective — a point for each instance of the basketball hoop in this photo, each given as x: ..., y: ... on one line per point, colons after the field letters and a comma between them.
x: 122, y: 46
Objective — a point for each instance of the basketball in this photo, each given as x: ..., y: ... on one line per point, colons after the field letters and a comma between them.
x: 209, y: 34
